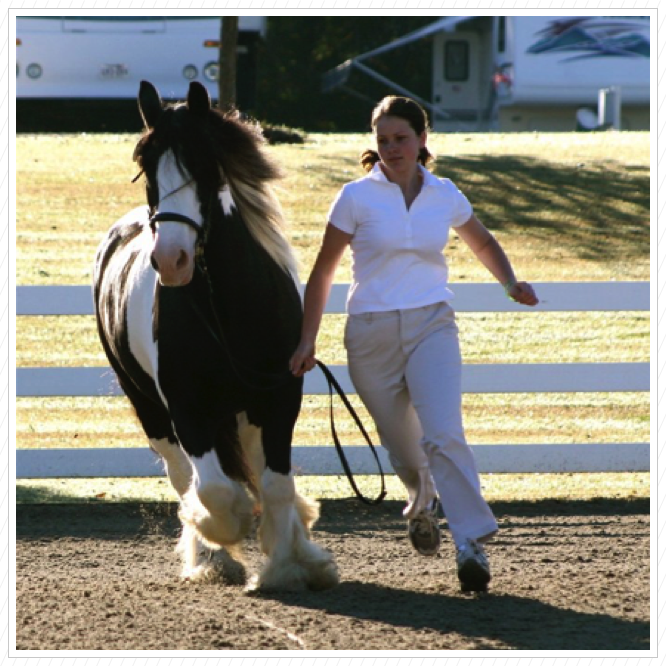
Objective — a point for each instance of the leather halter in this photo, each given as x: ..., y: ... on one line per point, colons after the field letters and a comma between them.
x: 183, y: 219
x: 175, y: 217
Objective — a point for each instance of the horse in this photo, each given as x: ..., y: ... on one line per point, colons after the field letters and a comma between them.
x: 198, y: 310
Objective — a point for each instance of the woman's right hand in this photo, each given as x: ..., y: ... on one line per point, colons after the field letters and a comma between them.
x: 303, y: 359
x: 316, y: 294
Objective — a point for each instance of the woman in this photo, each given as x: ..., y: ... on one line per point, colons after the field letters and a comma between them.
x: 401, y: 336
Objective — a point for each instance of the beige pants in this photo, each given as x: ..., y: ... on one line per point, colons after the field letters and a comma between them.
x: 406, y: 367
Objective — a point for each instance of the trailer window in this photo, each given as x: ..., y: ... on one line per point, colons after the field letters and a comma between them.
x: 456, y: 60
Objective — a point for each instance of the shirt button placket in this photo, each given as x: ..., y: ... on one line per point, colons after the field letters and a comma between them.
x: 409, y: 231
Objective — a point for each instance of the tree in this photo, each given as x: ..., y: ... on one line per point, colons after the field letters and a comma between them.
x: 227, y: 77
x: 298, y: 50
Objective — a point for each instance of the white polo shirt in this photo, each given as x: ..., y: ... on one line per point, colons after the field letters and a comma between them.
x: 397, y: 254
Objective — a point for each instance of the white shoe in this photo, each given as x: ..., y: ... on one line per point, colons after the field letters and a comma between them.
x: 473, y: 567
x: 423, y: 530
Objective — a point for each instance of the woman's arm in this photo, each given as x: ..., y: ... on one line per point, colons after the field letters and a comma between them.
x: 316, y: 294
x: 492, y: 256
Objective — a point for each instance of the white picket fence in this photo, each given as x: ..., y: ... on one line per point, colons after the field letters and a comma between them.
x: 323, y: 460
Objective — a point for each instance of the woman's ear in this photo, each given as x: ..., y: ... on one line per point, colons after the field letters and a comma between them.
x: 423, y: 139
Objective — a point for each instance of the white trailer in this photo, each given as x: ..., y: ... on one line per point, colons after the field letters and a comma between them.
x: 525, y: 73
x: 105, y: 57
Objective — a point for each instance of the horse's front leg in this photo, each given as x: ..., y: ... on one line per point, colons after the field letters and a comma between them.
x: 195, y: 556
x: 294, y: 561
x: 216, y: 511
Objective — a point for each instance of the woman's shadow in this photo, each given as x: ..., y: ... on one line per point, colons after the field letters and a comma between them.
x: 497, y: 620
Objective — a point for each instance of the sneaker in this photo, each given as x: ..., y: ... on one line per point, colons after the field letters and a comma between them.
x: 473, y: 567
x: 423, y: 530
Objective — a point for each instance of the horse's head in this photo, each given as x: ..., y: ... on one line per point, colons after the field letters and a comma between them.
x: 173, y: 168
x: 201, y: 166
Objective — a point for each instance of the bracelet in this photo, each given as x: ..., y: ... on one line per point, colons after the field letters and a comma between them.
x: 508, y: 286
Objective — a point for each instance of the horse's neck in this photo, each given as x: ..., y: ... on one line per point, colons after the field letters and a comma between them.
x: 231, y: 247
x: 263, y: 218
x: 252, y: 294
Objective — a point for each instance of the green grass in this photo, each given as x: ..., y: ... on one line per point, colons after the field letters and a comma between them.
x: 496, y: 487
x: 566, y: 207
x: 490, y: 419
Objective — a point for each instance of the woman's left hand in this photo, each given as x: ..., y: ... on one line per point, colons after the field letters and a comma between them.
x: 522, y: 292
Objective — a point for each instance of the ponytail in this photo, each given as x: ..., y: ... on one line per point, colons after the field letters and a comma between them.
x: 368, y: 159
x: 425, y: 157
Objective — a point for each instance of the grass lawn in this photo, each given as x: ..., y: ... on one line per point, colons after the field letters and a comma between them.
x: 566, y: 207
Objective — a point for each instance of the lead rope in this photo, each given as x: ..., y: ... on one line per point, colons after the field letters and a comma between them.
x: 333, y: 384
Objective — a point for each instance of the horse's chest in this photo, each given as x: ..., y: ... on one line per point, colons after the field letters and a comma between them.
x: 194, y: 363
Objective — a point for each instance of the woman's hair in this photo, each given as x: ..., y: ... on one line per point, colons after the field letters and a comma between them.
x: 399, y: 107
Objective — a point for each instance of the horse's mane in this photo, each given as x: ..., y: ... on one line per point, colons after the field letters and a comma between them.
x: 221, y: 149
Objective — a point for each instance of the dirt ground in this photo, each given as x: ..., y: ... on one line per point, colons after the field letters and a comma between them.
x: 566, y: 576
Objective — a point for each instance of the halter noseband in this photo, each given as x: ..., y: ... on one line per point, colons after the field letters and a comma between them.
x: 175, y: 217
x: 183, y: 219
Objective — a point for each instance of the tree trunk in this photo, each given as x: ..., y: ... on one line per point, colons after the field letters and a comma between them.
x: 227, y: 80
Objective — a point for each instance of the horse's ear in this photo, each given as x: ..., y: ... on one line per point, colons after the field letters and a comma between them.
x: 150, y: 104
x: 198, y: 99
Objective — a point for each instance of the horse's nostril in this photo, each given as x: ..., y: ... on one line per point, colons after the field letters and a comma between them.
x: 153, y: 263
x: 182, y: 260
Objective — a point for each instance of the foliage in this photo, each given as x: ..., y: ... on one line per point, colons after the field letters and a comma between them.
x: 280, y: 134
x: 299, y: 50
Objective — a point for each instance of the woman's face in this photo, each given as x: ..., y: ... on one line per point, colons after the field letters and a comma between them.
x: 398, y: 144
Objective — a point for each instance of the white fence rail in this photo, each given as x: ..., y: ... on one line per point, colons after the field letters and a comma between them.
x: 481, y: 378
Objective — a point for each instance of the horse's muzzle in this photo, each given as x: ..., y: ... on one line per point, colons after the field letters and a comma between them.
x: 173, y: 270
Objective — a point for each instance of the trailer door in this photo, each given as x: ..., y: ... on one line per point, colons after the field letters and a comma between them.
x: 456, y: 73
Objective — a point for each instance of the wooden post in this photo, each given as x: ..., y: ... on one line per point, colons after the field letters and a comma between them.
x: 227, y: 79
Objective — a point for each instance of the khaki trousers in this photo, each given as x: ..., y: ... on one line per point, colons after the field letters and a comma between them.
x: 406, y: 367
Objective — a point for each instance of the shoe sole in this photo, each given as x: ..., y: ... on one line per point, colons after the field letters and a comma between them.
x: 427, y: 553
x: 430, y: 553
x: 473, y: 578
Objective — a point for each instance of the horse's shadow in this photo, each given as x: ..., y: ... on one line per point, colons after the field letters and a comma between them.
x: 492, y: 621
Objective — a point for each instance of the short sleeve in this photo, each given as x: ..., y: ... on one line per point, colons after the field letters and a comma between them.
x: 341, y: 214
x: 462, y: 209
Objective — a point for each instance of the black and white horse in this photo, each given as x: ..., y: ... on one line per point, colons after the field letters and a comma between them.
x: 198, y: 311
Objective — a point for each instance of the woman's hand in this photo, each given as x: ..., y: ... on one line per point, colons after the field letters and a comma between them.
x: 522, y: 292
x: 316, y: 295
x: 303, y: 359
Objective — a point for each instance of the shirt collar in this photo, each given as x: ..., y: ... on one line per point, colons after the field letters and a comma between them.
x: 377, y: 174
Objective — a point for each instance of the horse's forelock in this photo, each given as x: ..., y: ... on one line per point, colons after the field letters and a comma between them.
x: 235, y: 145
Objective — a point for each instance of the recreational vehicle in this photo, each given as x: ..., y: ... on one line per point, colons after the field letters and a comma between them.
x: 105, y: 57
x: 524, y: 73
